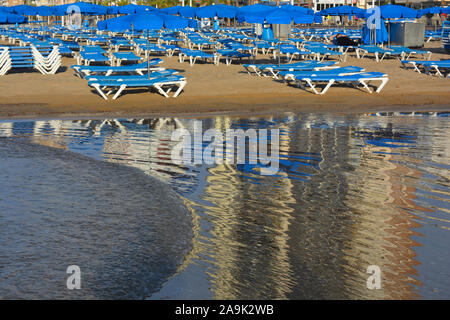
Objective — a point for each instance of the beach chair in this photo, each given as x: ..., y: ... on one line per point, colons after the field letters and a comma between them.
x: 46, y: 60
x: 164, y: 85
x: 438, y: 67
x: 271, y: 70
x: 265, y: 47
x: 274, y: 70
x: 379, y: 53
x: 48, y: 63
x: 320, y: 52
x: 151, y: 75
x: 230, y: 55
x: 5, y: 60
x: 407, y: 52
x: 364, y: 78
x: 149, y: 49
x: 291, y: 75
x: 291, y: 51
x: 117, y: 44
x: 117, y: 58
x: 193, y: 55
x: 139, y: 68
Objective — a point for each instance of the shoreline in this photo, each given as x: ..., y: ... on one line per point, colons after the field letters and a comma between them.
x: 279, y: 110
x: 219, y: 90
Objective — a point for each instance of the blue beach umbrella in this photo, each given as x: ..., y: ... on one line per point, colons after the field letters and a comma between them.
x: 274, y: 15
x: 433, y: 10
x: 220, y: 10
x: 297, y: 8
x: 84, y: 8
x: 43, y: 11
x: 186, y: 11
x: 133, y: 8
x: 380, y: 36
x: 118, y: 24
x: 318, y: 18
x: 342, y: 11
x: 391, y: 11
x: 9, y: 18
x: 254, y: 8
x: 171, y: 10
x: 19, y: 8
x: 143, y: 21
x: 281, y: 16
x: 112, y: 10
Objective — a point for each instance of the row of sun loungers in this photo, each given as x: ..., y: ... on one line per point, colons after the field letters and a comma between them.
x: 438, y: 68
x: 309, y: 75
x: 107, y: 80
x: 139, y: 68
x: 272, y: 70
x: 399, y: 52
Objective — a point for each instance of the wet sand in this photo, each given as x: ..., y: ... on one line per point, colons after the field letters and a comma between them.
x: 220, y: 90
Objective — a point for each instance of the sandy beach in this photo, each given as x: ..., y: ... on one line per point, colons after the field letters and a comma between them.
x: 218, y: 90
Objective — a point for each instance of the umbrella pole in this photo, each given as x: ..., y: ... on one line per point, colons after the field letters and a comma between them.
x: 375, y: 36
x: 279, y: 52
x: 389, y: 34
x: 148, y: 57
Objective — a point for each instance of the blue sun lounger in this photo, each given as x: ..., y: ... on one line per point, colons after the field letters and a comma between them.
x: 87, y: 58
x: 291, y: 52
x: 154, y: 74
x: 438, y: 67
x: 264, y: 46
x: 139, y: 68
x: 194, y: 55
x: 118, y: 57
x: 320, y: 52
x: 149, y: 49
x: 378, y: 52
x: 359, y: 78
x: 158, y: 83
x: 313, y: 65
x: 230, y: 54
x: 272, y: 69
x: 441, y: 68
x: 407, y: 52
x: 291, y: 75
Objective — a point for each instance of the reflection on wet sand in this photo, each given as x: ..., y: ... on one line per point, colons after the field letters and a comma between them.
x: 352, y: 191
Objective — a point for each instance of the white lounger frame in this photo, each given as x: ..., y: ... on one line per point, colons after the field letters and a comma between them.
x: 364, y: 82
x: 158, y: 86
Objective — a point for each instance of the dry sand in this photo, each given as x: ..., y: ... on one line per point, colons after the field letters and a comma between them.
x: 218, y: 90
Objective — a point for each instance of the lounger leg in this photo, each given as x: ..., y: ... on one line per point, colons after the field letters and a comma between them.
x: 383, y: 83
x: 122, y: 87
x: 160, y: 90
x: 100, y: 92
x: 180, y: 88
x: 363, y: 82
x: 329, y: 84
x: 438, y: 72
x: 313, y: 87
